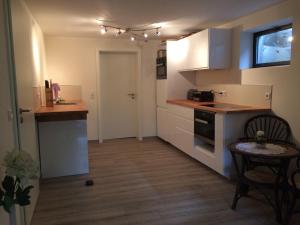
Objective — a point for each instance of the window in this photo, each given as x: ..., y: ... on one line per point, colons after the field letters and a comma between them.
x: 272, y: 47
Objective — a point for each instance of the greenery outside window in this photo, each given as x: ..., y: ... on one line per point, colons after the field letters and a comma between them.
x: 273, y: 47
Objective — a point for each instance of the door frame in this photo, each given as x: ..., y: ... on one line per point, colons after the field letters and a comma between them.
x: 137, y: 53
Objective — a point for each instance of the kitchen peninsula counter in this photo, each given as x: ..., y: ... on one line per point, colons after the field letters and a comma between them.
x: 62, y: 136
x: 61, y: 112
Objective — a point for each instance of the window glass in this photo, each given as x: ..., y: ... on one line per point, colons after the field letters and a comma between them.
x: 273, y: 47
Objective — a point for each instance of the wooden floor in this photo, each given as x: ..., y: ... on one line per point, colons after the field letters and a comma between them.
x: 143, y: 183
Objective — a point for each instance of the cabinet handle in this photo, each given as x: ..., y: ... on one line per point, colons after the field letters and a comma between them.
x: 201, y: 121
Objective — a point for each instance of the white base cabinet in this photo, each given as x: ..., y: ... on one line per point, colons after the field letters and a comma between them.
x: 176, y: 126
x: 63, y: 148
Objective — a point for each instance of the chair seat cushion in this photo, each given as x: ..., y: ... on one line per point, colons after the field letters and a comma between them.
x: 264, y: 176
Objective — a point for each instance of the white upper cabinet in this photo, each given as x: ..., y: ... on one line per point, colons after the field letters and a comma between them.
x: 208, y: 49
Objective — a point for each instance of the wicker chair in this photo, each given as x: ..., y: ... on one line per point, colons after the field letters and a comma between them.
x: 258, y: 173
x: 275, y: 128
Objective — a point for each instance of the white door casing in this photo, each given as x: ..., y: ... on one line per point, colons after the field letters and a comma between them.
x: 129, y: 121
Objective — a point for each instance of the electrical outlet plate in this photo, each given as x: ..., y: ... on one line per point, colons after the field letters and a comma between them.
x: 223, y: 93
x: 268, y: 95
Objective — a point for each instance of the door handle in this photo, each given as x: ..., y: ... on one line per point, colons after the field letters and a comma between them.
x: 21, y: 111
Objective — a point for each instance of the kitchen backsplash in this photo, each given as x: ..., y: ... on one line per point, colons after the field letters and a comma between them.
x: 67, y: 92
x: 256, y: 95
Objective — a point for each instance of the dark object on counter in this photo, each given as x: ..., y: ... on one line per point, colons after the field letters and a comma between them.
x: 200, y: 96
x: 89, y: 183
x: 190, y: 94
x: 46, y: 84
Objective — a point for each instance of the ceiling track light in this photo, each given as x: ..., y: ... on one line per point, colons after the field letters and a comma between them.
x: 134, y: 32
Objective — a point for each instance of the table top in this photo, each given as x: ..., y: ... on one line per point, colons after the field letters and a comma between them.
x: 290, y: 151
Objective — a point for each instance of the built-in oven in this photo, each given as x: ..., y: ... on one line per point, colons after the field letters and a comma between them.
x: 204, y: 126
x: 161, y: 68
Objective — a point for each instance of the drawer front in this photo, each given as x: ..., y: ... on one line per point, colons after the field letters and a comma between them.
x: 184, y: 140
x: 185, y: 124
x: 185, y: 112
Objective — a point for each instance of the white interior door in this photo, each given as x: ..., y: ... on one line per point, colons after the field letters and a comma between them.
x: 118, y: 94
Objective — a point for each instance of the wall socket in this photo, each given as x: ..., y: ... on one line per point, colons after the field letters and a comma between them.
x: 268, y: 95
x: 223, y: 93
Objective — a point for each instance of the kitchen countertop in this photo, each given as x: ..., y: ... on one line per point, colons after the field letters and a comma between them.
x: 226, y: 107
x: 61, y: 112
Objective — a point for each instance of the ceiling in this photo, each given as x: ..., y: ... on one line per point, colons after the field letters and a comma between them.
x: 177, y: 17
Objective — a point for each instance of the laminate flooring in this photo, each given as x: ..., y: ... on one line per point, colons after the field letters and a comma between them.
x: 145, y: 183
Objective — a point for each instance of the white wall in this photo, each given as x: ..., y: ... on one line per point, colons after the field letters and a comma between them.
x: 72, y: 61
x: 285, y: 79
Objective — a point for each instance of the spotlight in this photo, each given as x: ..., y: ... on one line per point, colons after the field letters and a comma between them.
x: 132, y: 38
x: 103, y: 30
x: 145, y: 35
x: 157, y: 32
x: 290, y: 39
x: 119, y: 32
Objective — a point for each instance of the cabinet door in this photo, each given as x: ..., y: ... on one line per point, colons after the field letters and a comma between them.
x: 163, y: 124
x: 202, y: 50
x: 197, y: 56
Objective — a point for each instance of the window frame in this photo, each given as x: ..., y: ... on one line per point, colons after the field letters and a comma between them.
x: 255, y: 47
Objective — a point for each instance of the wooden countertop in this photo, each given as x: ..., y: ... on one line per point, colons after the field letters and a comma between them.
x: 62, y: 112
x: 226, y: 107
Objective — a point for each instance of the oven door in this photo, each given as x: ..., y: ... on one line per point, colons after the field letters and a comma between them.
x: 204, y: 126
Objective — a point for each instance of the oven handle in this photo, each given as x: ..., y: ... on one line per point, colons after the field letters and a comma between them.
x: 201, y: 121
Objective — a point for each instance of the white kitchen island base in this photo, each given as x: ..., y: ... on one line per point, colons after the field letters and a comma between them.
x: 63, y: 148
